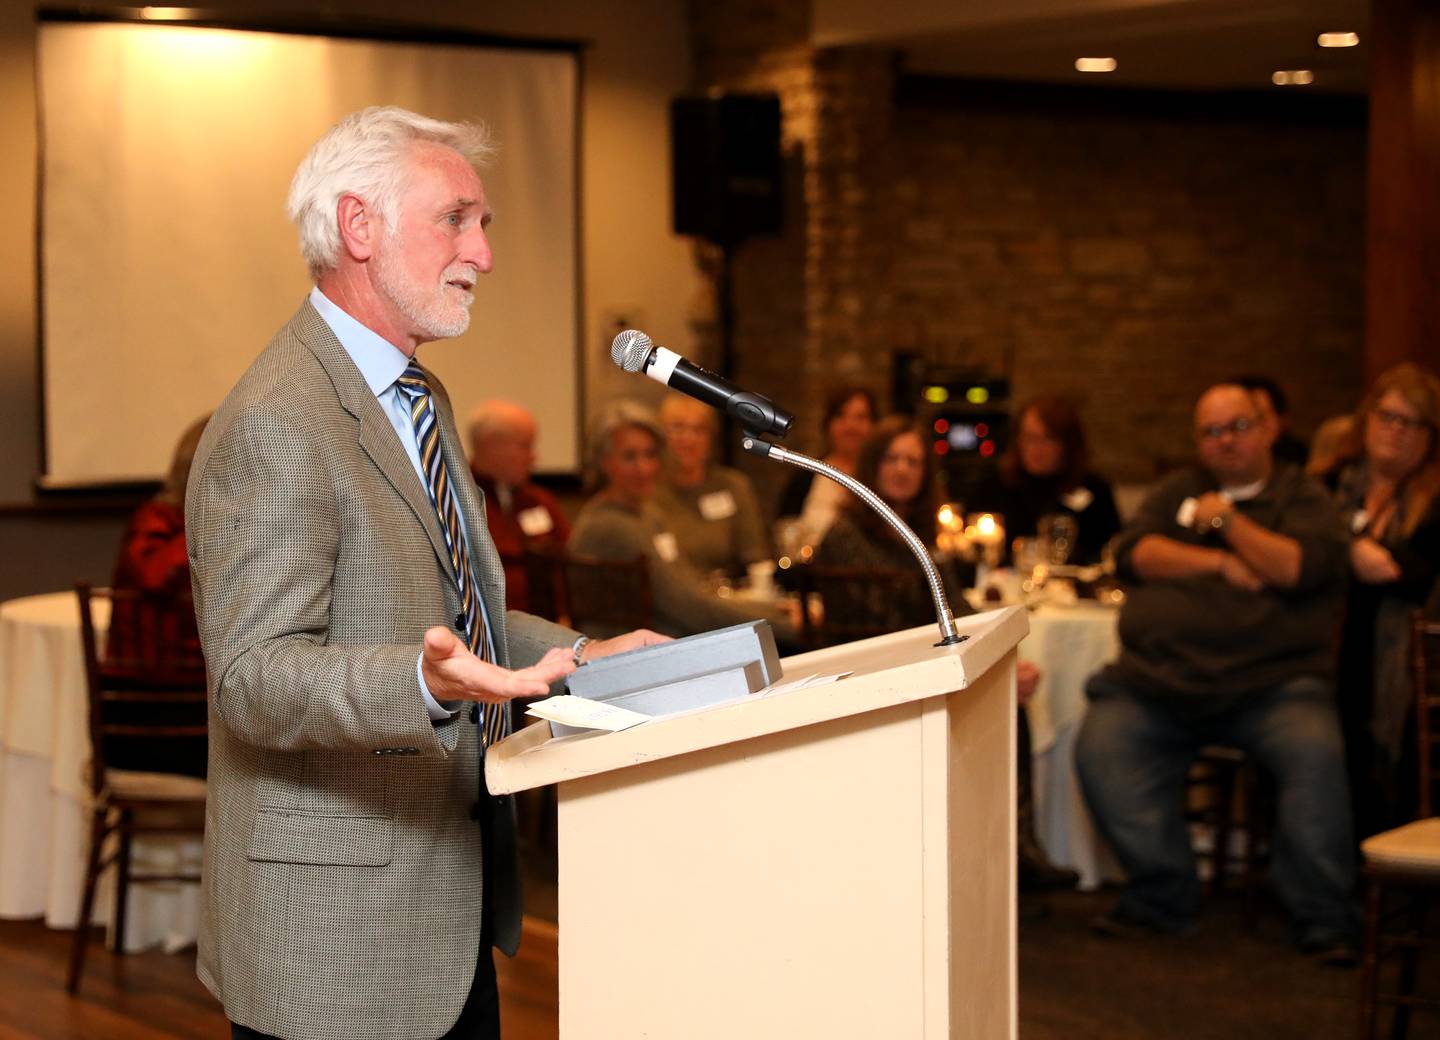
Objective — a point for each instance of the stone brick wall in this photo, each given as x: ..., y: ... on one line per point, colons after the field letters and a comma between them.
x: 1125, y: 259
x: 1123, y: 251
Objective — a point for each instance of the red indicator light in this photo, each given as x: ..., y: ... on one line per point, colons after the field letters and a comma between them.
x: 942, y: 427
x: 942, y: 447
x: 987, y: 448
x: 982, y: 430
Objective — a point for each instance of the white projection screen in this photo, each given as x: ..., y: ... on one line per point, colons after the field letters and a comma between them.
x: 167, y: 263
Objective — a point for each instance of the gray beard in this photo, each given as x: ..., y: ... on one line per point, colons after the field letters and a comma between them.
x: 427, y: 309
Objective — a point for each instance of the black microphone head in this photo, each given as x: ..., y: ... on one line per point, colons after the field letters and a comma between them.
x: 631, y: 349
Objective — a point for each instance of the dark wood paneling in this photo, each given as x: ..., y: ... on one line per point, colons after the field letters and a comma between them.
x: 1402, y: 305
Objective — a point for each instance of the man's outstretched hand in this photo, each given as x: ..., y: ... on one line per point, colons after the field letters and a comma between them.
x: 629, y: 641
x: 453, y: 673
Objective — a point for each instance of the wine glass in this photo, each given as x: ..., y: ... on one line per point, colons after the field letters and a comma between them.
x: 1058, y: 532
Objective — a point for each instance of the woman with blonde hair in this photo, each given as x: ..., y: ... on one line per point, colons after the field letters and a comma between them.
x: 1386, y: 481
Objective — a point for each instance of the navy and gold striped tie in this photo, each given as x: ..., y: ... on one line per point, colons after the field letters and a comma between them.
x: 413, y: 385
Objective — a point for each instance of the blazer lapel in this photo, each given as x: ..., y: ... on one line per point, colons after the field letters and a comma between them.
x: 377, y: 436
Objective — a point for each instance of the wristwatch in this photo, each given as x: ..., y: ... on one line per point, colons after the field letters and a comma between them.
x: 1219, y: 520
x: 577, y: 650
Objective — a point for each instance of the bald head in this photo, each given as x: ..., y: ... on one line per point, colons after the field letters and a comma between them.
x: 502, y: 442
x: 1232, y: 436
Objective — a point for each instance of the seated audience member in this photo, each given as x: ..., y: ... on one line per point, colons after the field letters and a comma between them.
x: 849, y: 413
x: 620, y: 523
x: 711, y: 509
x: 153, y: 559
x: 895, y: 463
x: 1237, y: 571
x: 1386, y: 482
x: 1047, y: 471
x: 520, y: 514
x: 1275, y: 406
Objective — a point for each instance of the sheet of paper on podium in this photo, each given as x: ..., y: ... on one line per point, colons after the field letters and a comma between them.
x: 586, y: 714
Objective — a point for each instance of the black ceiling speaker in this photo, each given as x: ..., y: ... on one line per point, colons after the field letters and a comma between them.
x: 725, y: 158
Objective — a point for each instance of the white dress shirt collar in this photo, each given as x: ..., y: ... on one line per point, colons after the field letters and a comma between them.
x: 379, y: 360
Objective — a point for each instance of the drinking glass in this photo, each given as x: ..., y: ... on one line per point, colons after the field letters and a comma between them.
x: 1058, y: 533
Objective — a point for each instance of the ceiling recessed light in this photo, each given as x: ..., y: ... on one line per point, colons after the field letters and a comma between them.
x: 1292, y: 77
x: 1095, y: 64
x: 1338, y: 39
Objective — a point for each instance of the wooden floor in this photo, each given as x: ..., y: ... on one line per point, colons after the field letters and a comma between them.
x: 1237, y: 979
x: 156, y: 996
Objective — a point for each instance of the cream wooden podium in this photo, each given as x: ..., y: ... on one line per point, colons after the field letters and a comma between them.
x: 833, y: 862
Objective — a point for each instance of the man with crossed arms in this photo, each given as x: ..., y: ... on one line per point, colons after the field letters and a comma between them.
x: 351, y: 608
x: 1236, y: 570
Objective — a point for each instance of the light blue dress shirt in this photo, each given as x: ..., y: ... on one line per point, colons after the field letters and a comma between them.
x: 381, y: 363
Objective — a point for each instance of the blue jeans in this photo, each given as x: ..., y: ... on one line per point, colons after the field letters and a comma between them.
x: 1133, y: 755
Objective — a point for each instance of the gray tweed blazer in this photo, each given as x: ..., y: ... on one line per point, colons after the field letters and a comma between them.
x: 342, y: 872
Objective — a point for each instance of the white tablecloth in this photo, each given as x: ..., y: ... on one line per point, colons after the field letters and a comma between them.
x: 44, y: 791
x: 1068, y: 644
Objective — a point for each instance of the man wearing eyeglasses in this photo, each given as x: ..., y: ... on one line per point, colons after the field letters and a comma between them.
x: 1237, y: 570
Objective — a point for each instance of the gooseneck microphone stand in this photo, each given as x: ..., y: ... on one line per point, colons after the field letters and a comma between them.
x: 756, y: 445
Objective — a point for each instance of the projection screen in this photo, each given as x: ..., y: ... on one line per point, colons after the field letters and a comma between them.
x: 166, y: 260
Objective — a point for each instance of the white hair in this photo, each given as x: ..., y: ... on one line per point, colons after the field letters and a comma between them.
x: 366, y: 154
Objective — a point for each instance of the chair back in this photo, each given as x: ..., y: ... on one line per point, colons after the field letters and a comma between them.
x: 841, y: 604
x: 545, y: 584
x: 1425, y: 659
x: 608, y: 597
x: 147, y: 700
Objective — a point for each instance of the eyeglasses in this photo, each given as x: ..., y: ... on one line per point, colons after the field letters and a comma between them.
x: 1215, y: 431
x: 1396, y: 421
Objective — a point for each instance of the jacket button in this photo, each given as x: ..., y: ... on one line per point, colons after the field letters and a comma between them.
x: 474, y: 713
x: 460, y: 621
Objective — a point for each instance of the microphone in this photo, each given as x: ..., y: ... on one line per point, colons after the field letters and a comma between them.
x: 634, y: 351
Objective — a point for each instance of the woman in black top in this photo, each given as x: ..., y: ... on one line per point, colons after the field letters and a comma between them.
x: 895, y: 463
x: 1046, y: 471
x: 1387, y: 483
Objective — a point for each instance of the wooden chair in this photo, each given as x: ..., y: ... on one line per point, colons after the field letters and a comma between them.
x: 608, y: 597
x: 545, y: 581
x: 841, y: 604
x: 1402, y: 866
x: 1227, y: 795
x: 147, y: 706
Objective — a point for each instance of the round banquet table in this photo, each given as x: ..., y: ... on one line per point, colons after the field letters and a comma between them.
x: 45, y: 790
x: 1067, y: 644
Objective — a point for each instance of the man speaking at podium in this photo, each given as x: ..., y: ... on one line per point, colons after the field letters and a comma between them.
x: 351, y: 608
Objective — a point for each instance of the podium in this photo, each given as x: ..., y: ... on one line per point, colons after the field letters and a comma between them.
x: 835, y: 861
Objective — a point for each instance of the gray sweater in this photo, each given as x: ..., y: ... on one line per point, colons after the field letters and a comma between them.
x: 683, y: 603
x: 731, y: 536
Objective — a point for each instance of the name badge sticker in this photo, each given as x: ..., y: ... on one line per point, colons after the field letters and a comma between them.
x: 667, y: 547
x: 718, y: 505
x: 1079, y: 500
x: 535, y: 521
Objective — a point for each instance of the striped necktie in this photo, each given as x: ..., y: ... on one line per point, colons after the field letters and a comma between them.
x: 413, y: 385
